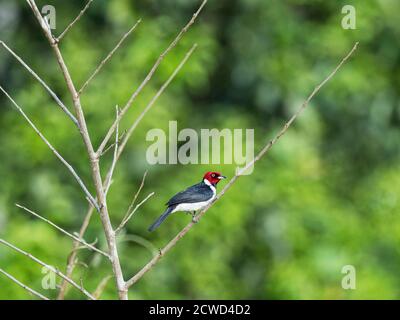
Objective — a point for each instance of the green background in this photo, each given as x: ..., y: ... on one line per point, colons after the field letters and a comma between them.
x: 326, y: 196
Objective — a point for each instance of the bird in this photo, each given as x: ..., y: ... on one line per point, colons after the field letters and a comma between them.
x: 193, y: 198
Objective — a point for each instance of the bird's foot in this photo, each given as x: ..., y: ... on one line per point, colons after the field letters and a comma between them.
x: 194, y: 217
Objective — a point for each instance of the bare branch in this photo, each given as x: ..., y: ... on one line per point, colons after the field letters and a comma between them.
x: 42, y: 22
x: 115, y: 157
x: 263, y: 151
x: 127, y: 218
x: 94, y: 160
x: 148, y: 77
x: 30, y: 290
x: 108, y: 57
x: 80, y: 240
x: 74, y: 21
x: 69, y: 167
x: 136, y: 195
x: 57, y: 272
x: 84, y: 247
x: 53, y: 95
x: 94, y: 156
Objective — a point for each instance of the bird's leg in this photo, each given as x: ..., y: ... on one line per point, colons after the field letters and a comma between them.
x: 192, y: 213
x: 194, y: 220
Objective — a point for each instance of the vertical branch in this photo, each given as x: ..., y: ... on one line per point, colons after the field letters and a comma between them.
x: 102, y: 187
x: 93, y: 158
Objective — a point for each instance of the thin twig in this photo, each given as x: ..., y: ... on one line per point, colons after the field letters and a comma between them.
x: 51, y: 92
x: 263, y: 151
x: 30, y: 290
x: 108, y: 57
x: 57, y: 272
x: 80, y: 240
x: 155, y: 98
x: 136, y: 195
x: 115, y: 158
x: 74, y: 21
x: 113, y: 144
x: 148, y: 77
x: 126, y: 219
x: 69, y: 167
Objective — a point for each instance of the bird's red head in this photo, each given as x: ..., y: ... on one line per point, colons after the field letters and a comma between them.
x: 213, y: 177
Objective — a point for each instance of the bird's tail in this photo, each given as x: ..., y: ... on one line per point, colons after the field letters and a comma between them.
x: 161, y: 218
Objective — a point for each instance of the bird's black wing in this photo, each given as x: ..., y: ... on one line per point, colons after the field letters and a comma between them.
x: 198, y: 193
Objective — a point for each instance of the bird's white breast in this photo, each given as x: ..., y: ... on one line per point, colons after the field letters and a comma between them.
x: 191, y: 206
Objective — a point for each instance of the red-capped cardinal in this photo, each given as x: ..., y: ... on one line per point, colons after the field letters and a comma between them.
x: 193, y: 198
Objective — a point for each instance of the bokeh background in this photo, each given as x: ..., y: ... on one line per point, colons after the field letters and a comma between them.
x: 326, y: 196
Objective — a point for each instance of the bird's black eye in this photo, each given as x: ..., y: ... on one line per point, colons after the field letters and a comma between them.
x: 213, y: 175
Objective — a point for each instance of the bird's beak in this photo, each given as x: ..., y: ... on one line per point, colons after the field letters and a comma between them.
x: 221, y: 177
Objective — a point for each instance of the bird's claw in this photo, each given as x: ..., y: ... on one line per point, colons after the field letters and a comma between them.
x: 194, y: 217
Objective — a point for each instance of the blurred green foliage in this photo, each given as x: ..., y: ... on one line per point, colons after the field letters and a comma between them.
x: 327, y: 195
